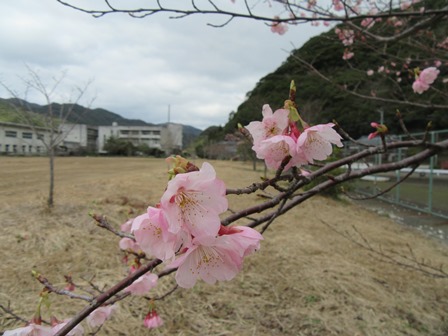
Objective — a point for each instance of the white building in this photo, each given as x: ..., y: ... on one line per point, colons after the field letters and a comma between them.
x: 21, y: 139
x: 78, y: 138
x: 166, y: 137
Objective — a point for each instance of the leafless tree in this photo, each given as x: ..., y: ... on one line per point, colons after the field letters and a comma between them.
x: 55, y: 119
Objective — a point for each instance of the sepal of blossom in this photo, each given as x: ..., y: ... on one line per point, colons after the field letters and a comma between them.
x: 316, y: 142
x: 143, y: 285
x: 152, y: 235
x: 291, y: 107
x: 180, y: 165
x: 273, y: 123
x: 152, y: 320
x: 208, y: 258
x: 100, y: 315
x: 70, y: 286
x: 58, y: 325
x: 193, y: 201
x: 30, y: 330
x: 380, y: 129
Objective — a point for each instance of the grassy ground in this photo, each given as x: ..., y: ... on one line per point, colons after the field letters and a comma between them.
x: 305, y: 280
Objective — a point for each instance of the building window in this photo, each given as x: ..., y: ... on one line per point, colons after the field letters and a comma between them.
x: 30, y: 149
x: 124, y: 132
x: 11, y: 134
x: 40, y: 136
x: 6, y: 148
x: 37, y: 149
x: 156, y: 132
x: 23, y: 148
x: 14, y: 148
x: 27, y: 135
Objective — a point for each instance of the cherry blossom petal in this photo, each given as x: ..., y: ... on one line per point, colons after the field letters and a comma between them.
x: 193, y: 202
x: 76, y: 331
x: 143, y: 285
x: 100, y: 315
x: 30, y: 330
x: 316, y: 142
x: 152, y: 235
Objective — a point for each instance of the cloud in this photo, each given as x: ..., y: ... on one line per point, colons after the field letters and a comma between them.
x: 140, y: 66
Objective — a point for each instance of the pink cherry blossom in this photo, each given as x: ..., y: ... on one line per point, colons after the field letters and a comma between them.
x: 347, y: 55
x: 208, y: 258
x: 405, y: 5
x: 368, y: 23
x: 316, y: 142
x: 126, y: 227
x: 244, y: 239
x: 31, y: 329
x: 429, y: 75
x: 142, y: 285
x: 420, y: 86
x: 152, y: 235
x: 193, y: 202
x: 128, y: 244
x: 380, y: 129
x: 425, y: 79
x: 272, y: 124
x: 279, y: 27
x: 152, y: 320
x: 100, y: 315
x: 338, y: 6
x: 437, y: 63
x: 76, y: 331
x: 277, y: 148
x: 370, y: 72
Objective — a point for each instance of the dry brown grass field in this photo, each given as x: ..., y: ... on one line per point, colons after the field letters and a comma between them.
x: 305, y: 280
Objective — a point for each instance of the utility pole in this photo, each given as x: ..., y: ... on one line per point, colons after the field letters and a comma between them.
x: 169, y: 111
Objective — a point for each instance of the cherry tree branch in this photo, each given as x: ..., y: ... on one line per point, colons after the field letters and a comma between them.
x: 291, y: 12
x: 104, y: 297
x: 360, y: 95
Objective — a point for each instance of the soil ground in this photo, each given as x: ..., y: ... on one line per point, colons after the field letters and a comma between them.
x: 310, y: 277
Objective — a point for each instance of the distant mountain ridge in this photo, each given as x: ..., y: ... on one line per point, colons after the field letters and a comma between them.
x: 83, y: 115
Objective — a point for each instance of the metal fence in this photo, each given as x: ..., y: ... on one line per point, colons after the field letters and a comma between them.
x: 426, y: 190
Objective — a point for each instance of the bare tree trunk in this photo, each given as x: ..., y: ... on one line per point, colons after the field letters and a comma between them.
x: 50, y: 201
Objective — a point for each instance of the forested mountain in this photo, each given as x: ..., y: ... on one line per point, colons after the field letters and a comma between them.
x: 79, y: 115
x: 321, y: 101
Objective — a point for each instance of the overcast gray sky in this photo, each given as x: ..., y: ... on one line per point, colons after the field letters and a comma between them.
x: 140, y: 66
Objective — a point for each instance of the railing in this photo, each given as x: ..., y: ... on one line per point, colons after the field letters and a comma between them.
x: 426, y: 190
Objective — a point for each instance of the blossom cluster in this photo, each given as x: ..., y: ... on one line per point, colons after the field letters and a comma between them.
x: 277, y: 137
x: 184, y: 230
